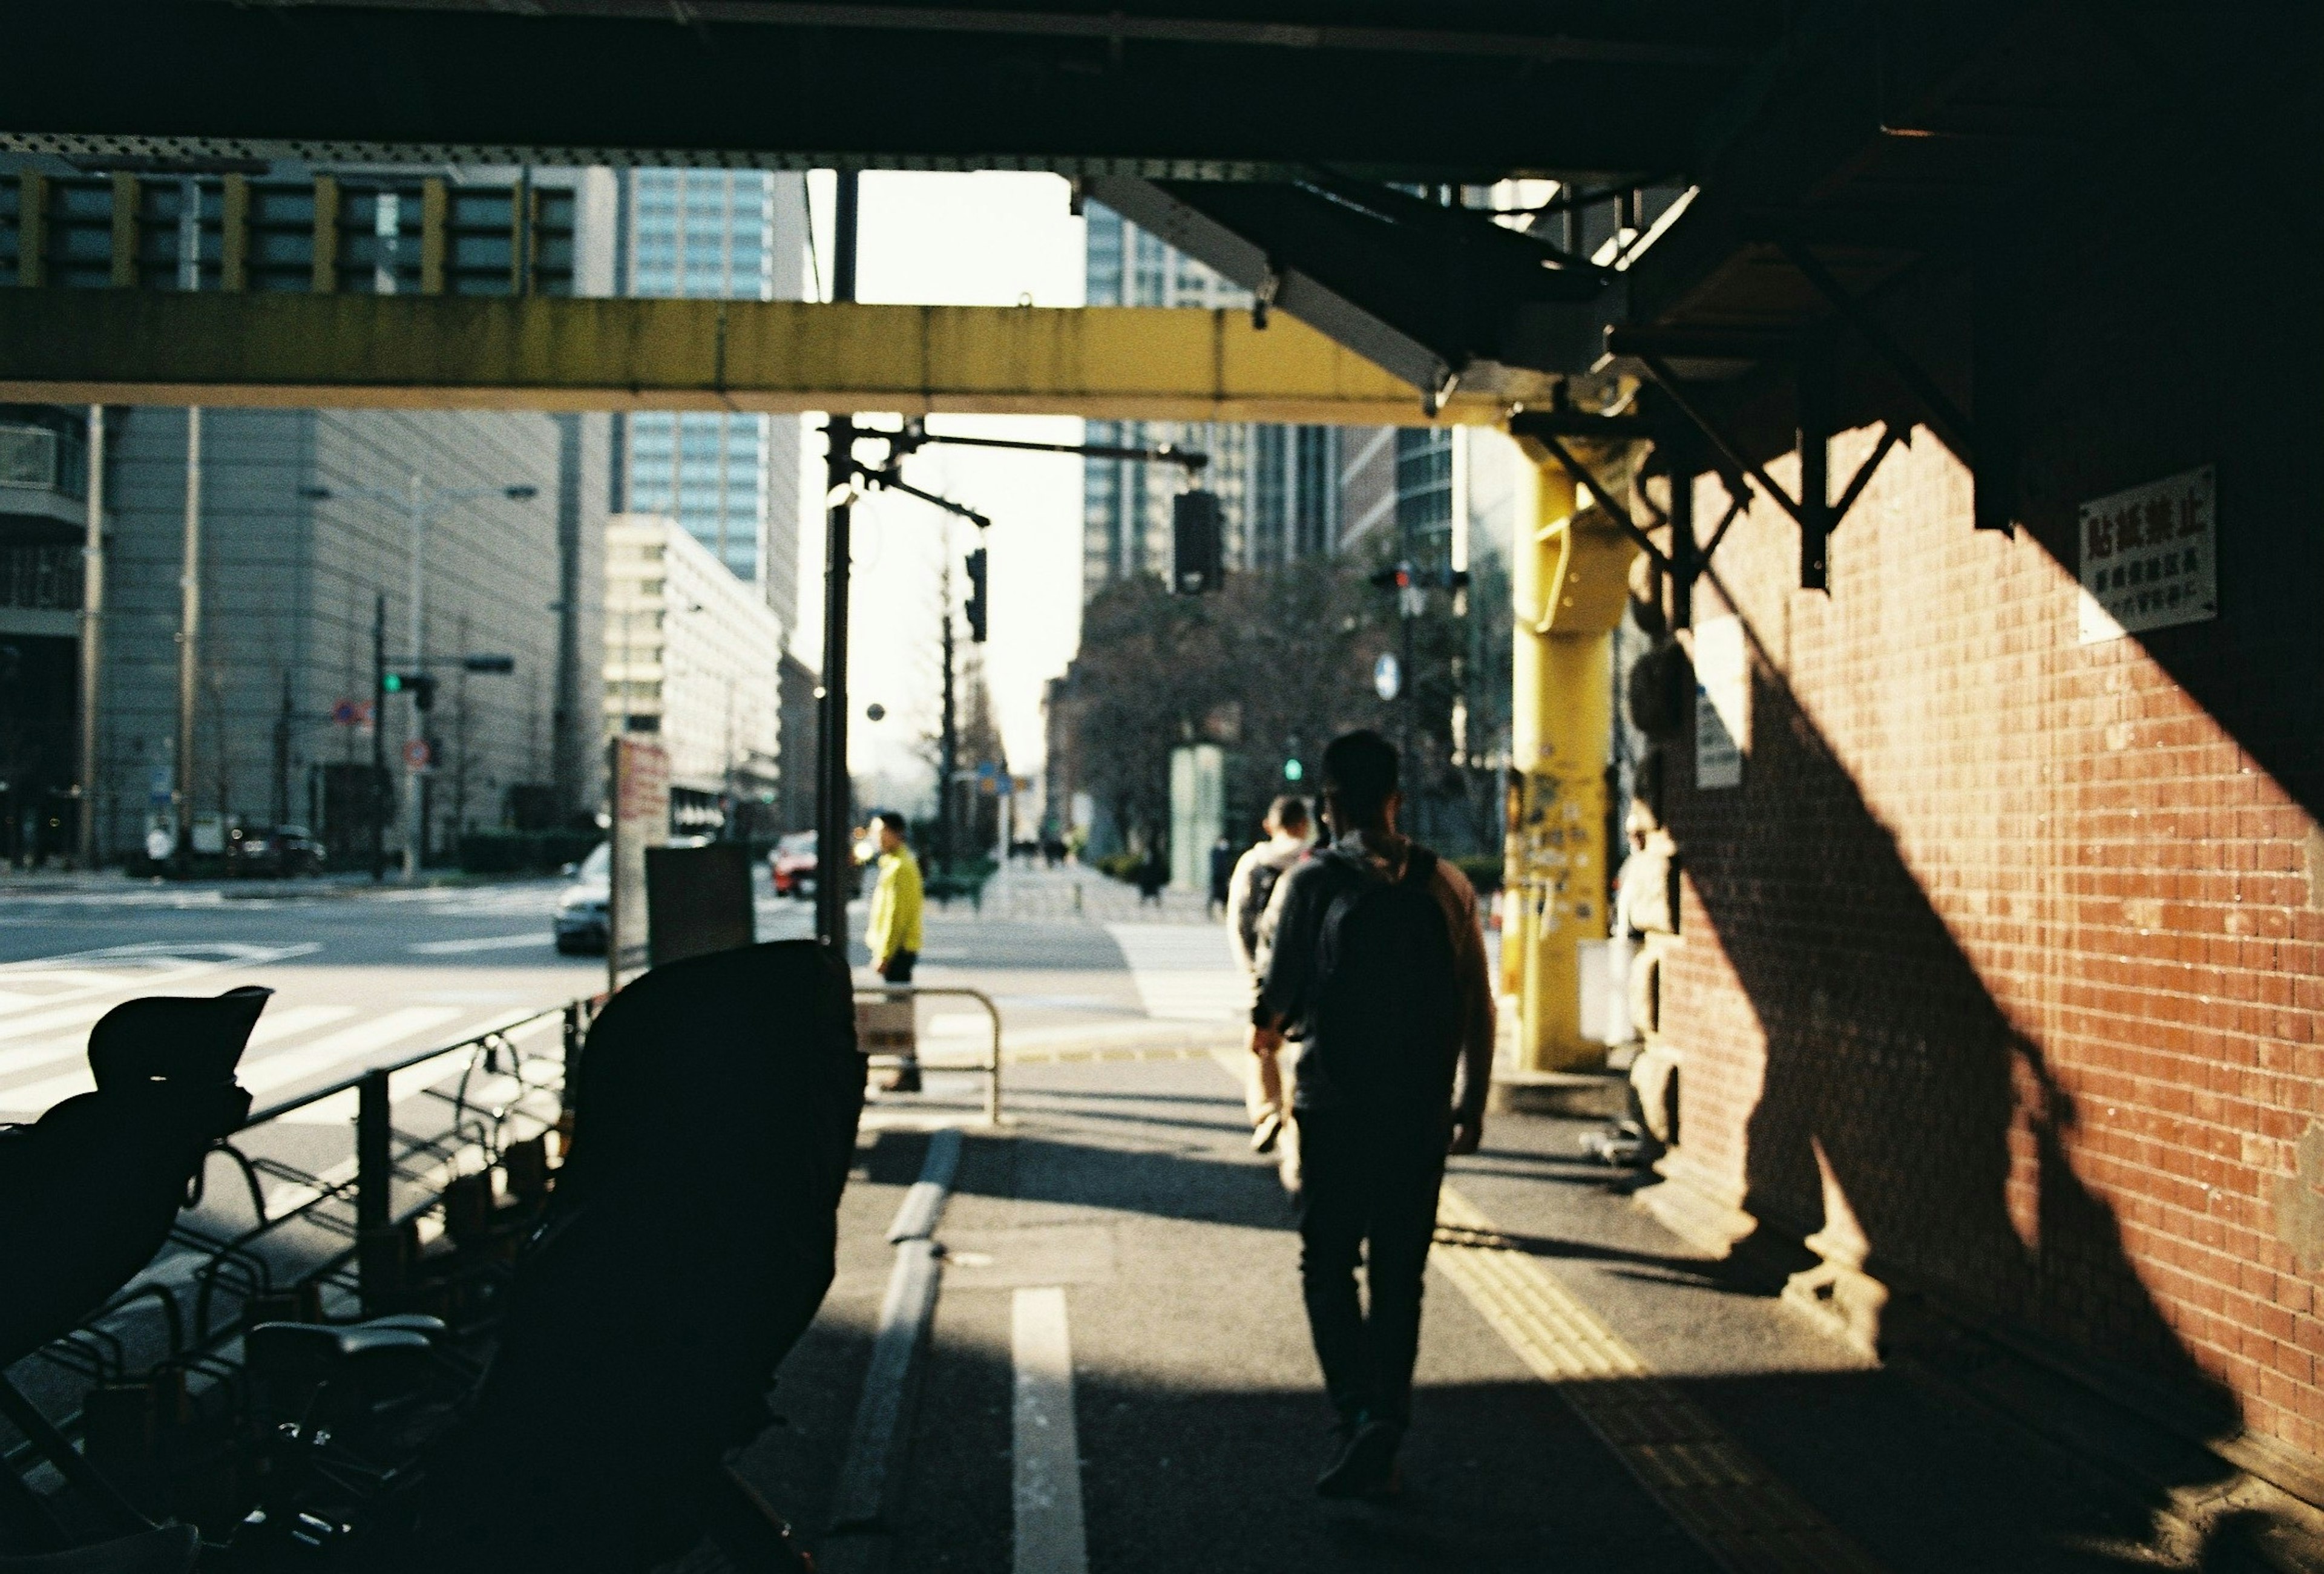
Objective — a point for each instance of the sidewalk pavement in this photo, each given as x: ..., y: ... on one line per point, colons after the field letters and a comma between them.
x: 1594, y: 1394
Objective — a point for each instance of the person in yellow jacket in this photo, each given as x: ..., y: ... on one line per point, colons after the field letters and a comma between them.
x: 894, y: 933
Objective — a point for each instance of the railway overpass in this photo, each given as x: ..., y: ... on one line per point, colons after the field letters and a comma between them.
x: 1983, y: 966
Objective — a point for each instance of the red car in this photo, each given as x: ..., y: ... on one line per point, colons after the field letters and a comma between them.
x: 792, y: 863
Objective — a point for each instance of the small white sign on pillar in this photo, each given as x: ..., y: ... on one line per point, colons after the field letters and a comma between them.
x: 2149, y: 557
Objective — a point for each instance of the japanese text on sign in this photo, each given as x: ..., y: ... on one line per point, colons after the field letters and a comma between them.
x: 2149, y: 557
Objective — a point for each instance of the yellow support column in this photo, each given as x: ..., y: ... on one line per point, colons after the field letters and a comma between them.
x: 1569, y: 583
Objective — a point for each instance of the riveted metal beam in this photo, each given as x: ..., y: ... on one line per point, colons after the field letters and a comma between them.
x: 559, y: 353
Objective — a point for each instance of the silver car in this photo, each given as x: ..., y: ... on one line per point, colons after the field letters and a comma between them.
x: 581, y: 924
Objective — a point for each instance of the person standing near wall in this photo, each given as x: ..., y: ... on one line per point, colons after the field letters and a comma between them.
x: 893, y: 931
x: 1378, y: 966
x: 1250, y: 890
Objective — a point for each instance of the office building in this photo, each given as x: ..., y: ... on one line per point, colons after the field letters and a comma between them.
x: 1278, y: 485
x: 731, y: 480
x: 692, y: 654
x: 311, y: 522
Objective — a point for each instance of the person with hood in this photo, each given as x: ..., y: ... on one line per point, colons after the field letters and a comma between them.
x: 1249, y: 893
x: 1378, y: 968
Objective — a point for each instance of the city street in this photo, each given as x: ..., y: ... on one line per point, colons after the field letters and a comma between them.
x: 365, y: 976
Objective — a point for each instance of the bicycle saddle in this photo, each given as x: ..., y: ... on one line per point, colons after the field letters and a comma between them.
x: 88, y: 1192
x: 169, y: 1549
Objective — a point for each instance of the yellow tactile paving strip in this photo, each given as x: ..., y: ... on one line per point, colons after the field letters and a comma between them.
x: 1734, y: 1506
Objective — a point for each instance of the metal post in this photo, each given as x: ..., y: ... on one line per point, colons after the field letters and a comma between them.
x: 835, y: 857
x: 282, y: 756
x: 189, y: 630
x: 947, y: 736
x: 417, y: 828
x: 92, y: 635
x: 378, y: 794
x: 375, y: 1263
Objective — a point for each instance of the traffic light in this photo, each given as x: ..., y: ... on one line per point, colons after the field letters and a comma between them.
x: 980, y: 609
x: 1292, y: 770
x: 1197, y: 543
x: 420, y: 686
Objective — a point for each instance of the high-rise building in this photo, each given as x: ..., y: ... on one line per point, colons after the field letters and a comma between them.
x: 312, y: 523
x: 730, y: 480
x: 692, y: 654
x: 1278, y: 485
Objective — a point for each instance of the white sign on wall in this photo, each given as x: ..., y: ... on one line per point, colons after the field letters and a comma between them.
x: 1722, y: 690
x: 2149, y: 557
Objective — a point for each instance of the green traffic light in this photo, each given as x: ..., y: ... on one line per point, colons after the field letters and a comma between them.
x: 392, y: 683
x: 1292, y: 770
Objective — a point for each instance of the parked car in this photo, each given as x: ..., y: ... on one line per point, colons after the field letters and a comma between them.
x: 581, y: 921
x: 273, y: 852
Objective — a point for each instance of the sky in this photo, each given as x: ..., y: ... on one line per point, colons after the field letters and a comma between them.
x: 983, y: 239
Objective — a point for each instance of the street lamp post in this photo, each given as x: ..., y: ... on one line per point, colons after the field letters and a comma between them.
x: 421, y: 501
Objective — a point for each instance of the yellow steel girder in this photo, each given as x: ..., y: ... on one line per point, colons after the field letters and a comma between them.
x: 227, y: 349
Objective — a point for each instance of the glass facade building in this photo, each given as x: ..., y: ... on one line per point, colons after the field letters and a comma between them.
x: 1278, y: 485
x: 730, y: 480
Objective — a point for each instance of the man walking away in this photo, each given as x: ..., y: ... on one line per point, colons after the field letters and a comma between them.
x: 1378, y: 966
x: 894, y: 933
x: 1248, y: 892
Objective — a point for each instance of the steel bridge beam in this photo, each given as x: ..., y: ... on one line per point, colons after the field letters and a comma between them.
x: 546, y: 353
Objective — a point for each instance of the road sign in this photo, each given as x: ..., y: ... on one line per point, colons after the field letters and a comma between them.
x: 416, y: 755
x: 1388, y: 675
x: 350, y: 714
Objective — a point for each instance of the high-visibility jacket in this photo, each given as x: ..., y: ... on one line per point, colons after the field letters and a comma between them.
x: 895, y: 906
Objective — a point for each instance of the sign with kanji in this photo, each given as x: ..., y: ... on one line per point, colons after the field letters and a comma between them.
x: 2149, y: 557
x: 639, y: 772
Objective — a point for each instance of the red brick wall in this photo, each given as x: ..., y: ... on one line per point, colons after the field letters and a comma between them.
x: 2017, y: 934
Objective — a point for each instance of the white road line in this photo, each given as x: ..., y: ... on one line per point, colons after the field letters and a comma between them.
x: 297, y: 1065
x: 1051, y: 1537
x: 292, y: 1021
x: 1184, y: 973
x: 483, y: 943
x: 40, y: 1095
x: 154, y: 967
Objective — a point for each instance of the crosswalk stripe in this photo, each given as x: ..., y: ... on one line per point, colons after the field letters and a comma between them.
x: 1183, y: 972
x: 146, y: 970
x: 296, y: 1066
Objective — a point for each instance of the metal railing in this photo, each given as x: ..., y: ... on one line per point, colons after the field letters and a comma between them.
x: 507, y: 1093
x: 46, y: 577
x: 992, y: 1068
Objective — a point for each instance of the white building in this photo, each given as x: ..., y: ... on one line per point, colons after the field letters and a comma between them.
x: 692, y: 653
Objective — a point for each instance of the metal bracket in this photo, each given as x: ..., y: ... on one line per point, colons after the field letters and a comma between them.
x: 1816, y: 522
x: 1584, y: 477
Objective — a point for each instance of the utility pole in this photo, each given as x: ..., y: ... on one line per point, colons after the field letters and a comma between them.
x: 377, y: 796
x: 92, y: 636
x: 189, y: 632
x: 835, y: 854
x: 416, y: 835
x: 949, y: 738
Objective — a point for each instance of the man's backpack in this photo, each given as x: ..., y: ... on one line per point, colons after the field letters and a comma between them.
x: 1387, y: 1009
